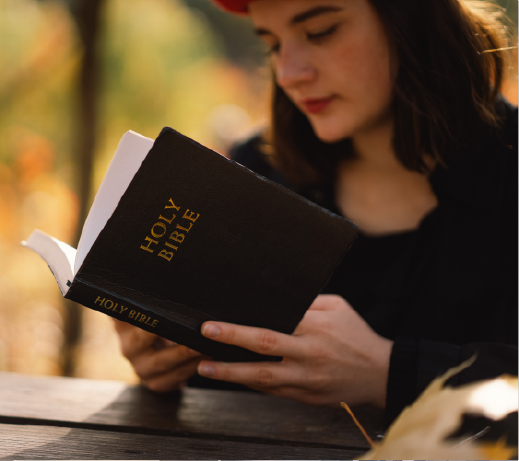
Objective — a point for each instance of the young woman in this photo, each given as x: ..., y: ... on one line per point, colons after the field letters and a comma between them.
x: 387, y: 113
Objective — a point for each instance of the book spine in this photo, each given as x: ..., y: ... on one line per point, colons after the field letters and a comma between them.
x: 99, y: 300
x: 179, y: 329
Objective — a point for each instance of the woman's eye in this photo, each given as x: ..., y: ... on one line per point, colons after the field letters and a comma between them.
x: 272, y: 49
x: 317, y: 36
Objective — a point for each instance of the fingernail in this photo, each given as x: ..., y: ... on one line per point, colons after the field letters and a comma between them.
x: 206, y: 370
x: 210, y: 330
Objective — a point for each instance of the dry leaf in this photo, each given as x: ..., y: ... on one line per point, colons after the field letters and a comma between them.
x: 420, y: 430
x: 497, y: 450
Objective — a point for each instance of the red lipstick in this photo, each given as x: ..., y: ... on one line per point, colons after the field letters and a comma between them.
x: 314, y: 106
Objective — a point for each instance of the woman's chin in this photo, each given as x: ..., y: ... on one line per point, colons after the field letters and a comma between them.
x: 329, y: 129
x: 328, y: 135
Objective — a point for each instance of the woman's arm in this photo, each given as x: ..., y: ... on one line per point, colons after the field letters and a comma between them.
x: 335, y: 356
x: 332, y: 356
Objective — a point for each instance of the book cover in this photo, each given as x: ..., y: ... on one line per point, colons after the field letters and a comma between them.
x: 197, y: 237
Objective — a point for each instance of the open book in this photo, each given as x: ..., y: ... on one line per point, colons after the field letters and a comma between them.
x: 178, y: 235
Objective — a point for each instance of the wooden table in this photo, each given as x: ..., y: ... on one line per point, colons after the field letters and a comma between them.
x: 69, y: 418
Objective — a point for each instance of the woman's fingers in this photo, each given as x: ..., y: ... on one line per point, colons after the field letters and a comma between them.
x: 259, y: 340
x: 327, y: 303
x: 134, y: 340
x: 174, y: 379
x: 258, y: 375
x: 161, y: 364
x: 152, y: 362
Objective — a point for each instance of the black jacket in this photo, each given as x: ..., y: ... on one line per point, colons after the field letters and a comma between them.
x: 449, y: 289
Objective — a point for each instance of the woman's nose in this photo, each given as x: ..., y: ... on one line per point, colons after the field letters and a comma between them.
x: 293, y: 68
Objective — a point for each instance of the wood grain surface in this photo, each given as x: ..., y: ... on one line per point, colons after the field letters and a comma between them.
x: 43, y: 442
x: 205, y: 414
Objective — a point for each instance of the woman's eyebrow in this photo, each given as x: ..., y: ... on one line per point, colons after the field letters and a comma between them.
x: 304, y: 16
x: 313, y: 12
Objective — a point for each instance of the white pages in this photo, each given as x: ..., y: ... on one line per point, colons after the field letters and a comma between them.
x: 62, y: 259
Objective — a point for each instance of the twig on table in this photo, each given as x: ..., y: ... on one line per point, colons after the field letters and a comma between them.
x: 364, y: 433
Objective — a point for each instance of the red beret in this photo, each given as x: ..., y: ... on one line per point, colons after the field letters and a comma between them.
x: 236, y: 6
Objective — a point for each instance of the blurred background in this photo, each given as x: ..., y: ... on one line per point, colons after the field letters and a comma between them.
x: 75, y: 75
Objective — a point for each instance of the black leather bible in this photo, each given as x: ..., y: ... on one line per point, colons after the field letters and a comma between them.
x: 178, y: 235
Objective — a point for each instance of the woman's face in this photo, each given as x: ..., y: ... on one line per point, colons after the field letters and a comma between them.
x: 332, y: 58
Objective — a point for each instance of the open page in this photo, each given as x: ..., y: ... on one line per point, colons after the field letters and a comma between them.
x: 58, y: 255
x: 126, y: 161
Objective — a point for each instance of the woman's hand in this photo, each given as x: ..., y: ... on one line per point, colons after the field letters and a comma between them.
x: 162, y: 365
x: 332, y: 356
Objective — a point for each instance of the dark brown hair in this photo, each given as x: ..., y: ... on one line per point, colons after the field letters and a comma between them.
x: 444, y: 92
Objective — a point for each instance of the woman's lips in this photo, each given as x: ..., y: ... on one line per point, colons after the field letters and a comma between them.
x: 314, y: 106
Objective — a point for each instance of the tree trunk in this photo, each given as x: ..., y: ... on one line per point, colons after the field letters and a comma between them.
x: 86, y: 14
